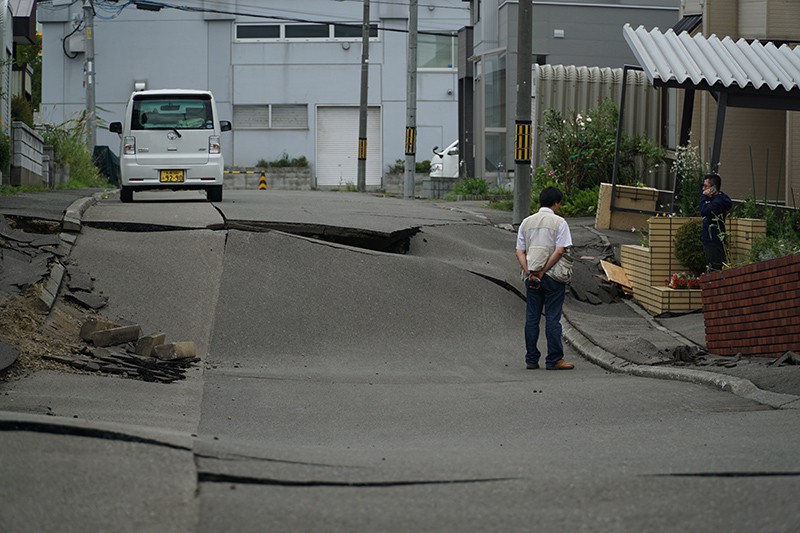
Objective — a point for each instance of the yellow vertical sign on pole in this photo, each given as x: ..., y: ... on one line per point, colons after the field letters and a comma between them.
x: 523, y: 142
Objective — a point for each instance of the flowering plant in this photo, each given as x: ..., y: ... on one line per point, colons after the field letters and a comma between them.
x: 682, y: 280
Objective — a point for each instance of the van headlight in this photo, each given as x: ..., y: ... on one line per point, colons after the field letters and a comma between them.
x: 214, y: 146
x: 129, y: 145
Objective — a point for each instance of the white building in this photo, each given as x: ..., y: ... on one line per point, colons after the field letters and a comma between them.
x: 286, y: 73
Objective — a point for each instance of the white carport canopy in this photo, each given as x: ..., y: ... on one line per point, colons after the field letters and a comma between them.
x: 737, y: 73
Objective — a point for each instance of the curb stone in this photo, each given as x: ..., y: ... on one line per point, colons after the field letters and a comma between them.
x: 738, y: 386
x: 70, y: 225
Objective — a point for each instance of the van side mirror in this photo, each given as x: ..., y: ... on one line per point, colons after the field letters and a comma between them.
x: 225, y: 125
x: 115, y: 127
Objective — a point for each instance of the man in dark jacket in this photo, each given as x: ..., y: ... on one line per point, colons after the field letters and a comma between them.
x: 714, y: 205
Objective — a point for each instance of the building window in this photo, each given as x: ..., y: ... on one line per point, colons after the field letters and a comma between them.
x: 302, y: 32
x: 271, y: 116
x: 494, y: 112
x: 307, y: 31
x: 436, y: 51
x: 353, y: 31
x: 260, y: 31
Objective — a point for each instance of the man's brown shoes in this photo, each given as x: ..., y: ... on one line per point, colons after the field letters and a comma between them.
x: 561, y: 365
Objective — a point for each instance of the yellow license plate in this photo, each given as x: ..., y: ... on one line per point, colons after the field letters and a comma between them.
x: 171, y: 176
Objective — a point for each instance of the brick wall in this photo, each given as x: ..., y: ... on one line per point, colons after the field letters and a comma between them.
x: 754, y: 309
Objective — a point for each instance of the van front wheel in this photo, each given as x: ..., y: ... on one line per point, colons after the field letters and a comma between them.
x: 125, y: 194
x: 214, y: 193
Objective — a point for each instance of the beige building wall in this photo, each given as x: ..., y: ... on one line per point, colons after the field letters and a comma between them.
x: 753, y: 19
x: 793, y: 159
x: 753, y: 149
x: 783, y: 19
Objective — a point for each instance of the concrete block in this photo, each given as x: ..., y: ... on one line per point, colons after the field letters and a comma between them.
x: 50, y: 290
x: 175, y: 350
x: 120, y: 335
x: 93, y: 325
x: 146, y: 343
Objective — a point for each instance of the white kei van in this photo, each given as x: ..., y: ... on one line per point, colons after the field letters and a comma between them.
x: 170, y: 139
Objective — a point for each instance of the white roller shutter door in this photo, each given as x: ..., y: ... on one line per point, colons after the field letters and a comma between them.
x: 337, y: 146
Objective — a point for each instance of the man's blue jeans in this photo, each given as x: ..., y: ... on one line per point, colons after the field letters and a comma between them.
x: 550, y: 297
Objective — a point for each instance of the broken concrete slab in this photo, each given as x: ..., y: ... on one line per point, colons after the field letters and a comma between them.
x: 120, y: 335
x: 93, y: 325
x: 50, y: 290
x: 175, y: 350
x: 146, y: 343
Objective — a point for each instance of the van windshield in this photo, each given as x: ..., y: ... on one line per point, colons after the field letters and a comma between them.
x: 166, y: 112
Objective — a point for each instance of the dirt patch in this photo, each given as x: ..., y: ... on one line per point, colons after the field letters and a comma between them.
x: 33, y: 333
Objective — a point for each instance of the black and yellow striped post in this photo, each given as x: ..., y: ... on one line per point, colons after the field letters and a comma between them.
x: 262, y: 182
x: 523, y: 142
x: 362, y: 149
x: 411, y: 141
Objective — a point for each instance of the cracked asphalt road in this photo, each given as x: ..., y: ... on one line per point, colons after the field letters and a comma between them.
x: 345, y: 388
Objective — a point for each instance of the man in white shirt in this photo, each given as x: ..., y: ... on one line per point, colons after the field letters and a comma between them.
x: 541, y: 241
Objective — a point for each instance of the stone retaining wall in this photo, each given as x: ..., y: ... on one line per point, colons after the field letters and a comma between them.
x: 284, y: 178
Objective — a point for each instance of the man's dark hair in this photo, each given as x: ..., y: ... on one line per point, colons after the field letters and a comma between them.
x: 715, y: 180
x: 550, y: 196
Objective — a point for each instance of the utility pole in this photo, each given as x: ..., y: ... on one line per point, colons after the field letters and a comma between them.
x: 523, y: 126
x: 362, y: 117
x: 91, y: 114
x: 411, y: 101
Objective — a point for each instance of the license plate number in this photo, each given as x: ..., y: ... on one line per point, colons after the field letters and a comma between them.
x: 171, y: 176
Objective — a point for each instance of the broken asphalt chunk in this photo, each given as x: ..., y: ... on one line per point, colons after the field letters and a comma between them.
x: 87, y: 299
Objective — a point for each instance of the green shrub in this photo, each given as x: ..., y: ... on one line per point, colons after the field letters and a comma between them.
x: 5, y: 153
x: 472, y: 187
x: 283, y: 162
x: 580, y: 203
x: 765, y: 248
x: 421, y: 167
x: 68, y: 141
x: 689, y: 247
x: 580, y: 150
x: 690, y: 169
x: 21, y: 110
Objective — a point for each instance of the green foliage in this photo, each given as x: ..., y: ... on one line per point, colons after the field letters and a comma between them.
x: 501, y: 204
x: 580, y: 203
x: 690, y: 169
x: 421, y: 167
x: 689, y: 247
x: 5, y: 152
x: 283, y: 162
x: 580, y: 151
x: 21, y: 110
x: 765, y: 248
x: 472, y: 187
x: 31, y: 54
x: 68, y: 141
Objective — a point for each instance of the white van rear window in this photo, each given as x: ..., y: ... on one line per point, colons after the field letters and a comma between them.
x: 166, y: 112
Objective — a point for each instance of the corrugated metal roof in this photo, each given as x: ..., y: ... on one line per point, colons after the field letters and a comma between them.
x: 680, y: 60
x: 687, y: 23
